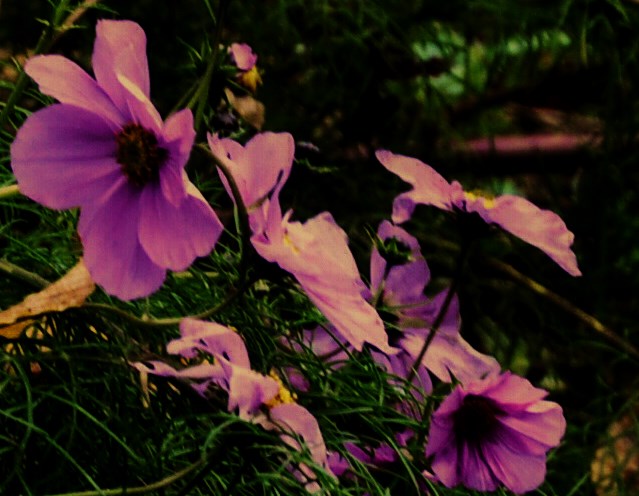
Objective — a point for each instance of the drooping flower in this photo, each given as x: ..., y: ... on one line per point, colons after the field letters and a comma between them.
x: 541, y: 228
x: 400, y: 290
x: 315, y: 252
x: 105, y: 149
x: 246, y: 62
x: 494, y: 432
x: 255, y: 397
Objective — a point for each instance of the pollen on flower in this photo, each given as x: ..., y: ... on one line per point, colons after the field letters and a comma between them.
x: 283, y: 396
x: 139, y: 154
x: 487, y: 199
x: 250, y: 79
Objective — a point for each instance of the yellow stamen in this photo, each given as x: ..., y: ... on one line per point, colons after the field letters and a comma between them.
x: 487, y: 199
x: 283, y: 396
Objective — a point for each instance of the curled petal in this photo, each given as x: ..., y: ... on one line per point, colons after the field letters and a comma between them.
x: 429, y: 187
x: 120, y: 49
x: 541, y: 228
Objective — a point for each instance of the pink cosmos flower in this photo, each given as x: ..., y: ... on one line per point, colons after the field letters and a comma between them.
x: 315, y: 252
x: 494, y: 432
x: 541, y: 228
x: 105, y: 149
x: 255, y: 397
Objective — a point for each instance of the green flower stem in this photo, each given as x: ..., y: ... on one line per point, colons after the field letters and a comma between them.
x: 242, y: 212
x: 167, y: 481
x: 434, y: 328
x: 16, y: 272
x: 47, y: 38
x: 566, y: 305
x: 200, y: 97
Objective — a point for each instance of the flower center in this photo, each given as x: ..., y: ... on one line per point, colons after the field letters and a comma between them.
x: 476, y: 420
x: 139, y: 155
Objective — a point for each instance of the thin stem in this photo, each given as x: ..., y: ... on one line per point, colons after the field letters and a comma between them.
x: 566, y: 305
x: 201, y: 95
x: 23, y: 274
x: 167, y: 481
x: 242, y: 211
x: 439, y: 319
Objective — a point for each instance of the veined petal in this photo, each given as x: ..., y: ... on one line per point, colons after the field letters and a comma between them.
x: 429, y: 187
x: 139, y: 107
x: 64, y: 156
x: 541, y: 228
x: 177, y: 138
x: 120, y: 48
x: 64, y: 80
x: 114, y: 256
x: 173, y: 236
x: 519, y: 472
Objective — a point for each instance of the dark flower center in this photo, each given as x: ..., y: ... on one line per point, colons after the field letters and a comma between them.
x: 476, y: 420
x: 139, y: 155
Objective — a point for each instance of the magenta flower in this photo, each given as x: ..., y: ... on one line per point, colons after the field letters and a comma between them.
x: 315, y: 252
x: 105, y: 149
x: 494, y: 432
x: 541, y: 228
x: 255, y: 397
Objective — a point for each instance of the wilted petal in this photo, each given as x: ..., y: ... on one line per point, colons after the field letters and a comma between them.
x: 65, y: 81
x: 211, y: 338
x: 541, y: 228
x: 248, y: 390
x: 112, y: 253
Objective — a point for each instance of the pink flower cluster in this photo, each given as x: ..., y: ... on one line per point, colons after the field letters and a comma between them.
x: 105, y: 150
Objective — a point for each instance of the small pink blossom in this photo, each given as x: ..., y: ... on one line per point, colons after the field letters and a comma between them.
x: 105, y: 149
x: 316, y: 252
x: 541, y: 228
x: 243, y: 56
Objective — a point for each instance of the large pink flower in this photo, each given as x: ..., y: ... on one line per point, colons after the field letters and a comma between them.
x: 541, y: 228
x: 494, y: 432
x: 316, y: 252
x: 105, y: 149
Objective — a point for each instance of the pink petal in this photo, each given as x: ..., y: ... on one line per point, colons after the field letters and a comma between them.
x: 445, y: 466
x: 518, y: 472
x: 243, y: 56
x: 248, y: 390
x: 475, y: 472
x: 114, y: 256
x: 174, y: 236
x: 510, y: 391
x: 64, y: 156
x: 296, y: 421
x: 429, y: 187
x: 177, y: 138
x: 120, y: 49
x: 139, y: 107
x: 541, y: 228
x: 545, y: 427
x: 64, y: 80
x: 211, y: 338
x: 200, y: 371
x: 317, y: 254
